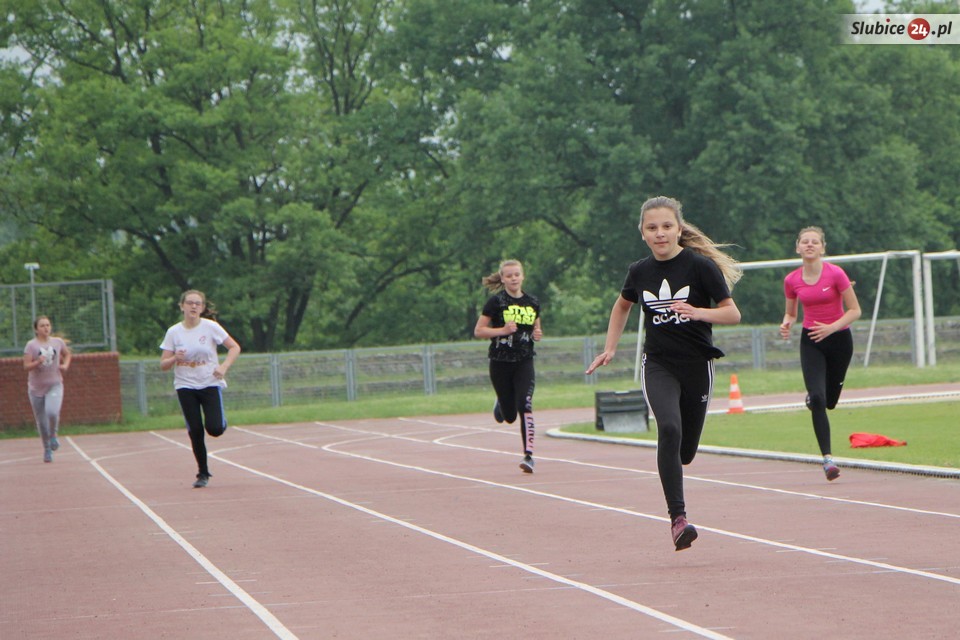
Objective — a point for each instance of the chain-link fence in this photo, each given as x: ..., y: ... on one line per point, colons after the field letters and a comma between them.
x: 270, y: 380
x: 81, y: 311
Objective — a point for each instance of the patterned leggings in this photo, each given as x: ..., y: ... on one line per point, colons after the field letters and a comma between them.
x: 514, y: 383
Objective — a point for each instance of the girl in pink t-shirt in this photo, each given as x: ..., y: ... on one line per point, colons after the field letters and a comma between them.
x: 826, y: 344
x: 46, y: 358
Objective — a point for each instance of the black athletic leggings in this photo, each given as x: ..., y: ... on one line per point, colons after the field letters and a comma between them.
x: 678, y: 395
x: 202, y: 410
x: 824, y: 366
x: 514, y: 383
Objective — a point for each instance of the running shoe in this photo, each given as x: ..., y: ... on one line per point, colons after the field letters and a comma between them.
x: 831, y: 471
x: 47, y: 455
x: 527, y: 464
x: 497, y: 414
x: 54, y: 443
x: 683, y: 533
x: 201, y: 482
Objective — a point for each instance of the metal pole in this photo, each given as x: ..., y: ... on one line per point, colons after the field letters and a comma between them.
x: 31, y: 267
x: 876, y: 310
x: 636, y: 364
x: 928, y: 313
x: 919, y: 343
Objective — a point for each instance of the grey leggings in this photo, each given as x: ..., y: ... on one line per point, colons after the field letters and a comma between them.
x: 46, y: 411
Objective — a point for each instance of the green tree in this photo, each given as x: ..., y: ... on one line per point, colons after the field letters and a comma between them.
x: 246, y: 149
x: 342, y: 173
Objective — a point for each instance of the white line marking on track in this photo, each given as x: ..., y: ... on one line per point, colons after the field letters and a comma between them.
x: 812, y: 496
x: 251, y: 603
x: 17, y: 460
x: 630, y: 604
x: 732, y: 534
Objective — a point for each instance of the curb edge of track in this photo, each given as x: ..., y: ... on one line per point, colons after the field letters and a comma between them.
x: 892, y: 467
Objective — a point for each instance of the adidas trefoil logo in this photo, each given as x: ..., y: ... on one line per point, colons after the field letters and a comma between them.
x: 661, y: 302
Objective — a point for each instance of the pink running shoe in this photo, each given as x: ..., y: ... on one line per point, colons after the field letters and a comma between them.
x: 683, y: 533
x: 831, y: 471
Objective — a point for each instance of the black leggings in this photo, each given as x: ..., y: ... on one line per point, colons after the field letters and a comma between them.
x: 514, y: 383
x: 824, y: 366
x: 678, y: 395
x: 202, y: 410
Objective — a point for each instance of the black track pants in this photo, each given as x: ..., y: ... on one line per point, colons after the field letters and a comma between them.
x: 202, y: 411
x: 514, y: 383
x: 678, y: 395
x: 824, y: 366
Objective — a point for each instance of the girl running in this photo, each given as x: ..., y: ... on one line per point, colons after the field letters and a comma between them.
x: 511, y: 321
x: 676, y: 286
x: 46, y: 358
x: 826, y: 342
x: 199, y: 376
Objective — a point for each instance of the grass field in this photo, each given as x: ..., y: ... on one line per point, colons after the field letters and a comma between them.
x: 932, y: 429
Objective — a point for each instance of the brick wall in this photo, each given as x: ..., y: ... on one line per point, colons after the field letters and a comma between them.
x: 91, y: 391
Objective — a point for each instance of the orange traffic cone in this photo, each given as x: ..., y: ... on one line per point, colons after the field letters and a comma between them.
x: 736, y: 403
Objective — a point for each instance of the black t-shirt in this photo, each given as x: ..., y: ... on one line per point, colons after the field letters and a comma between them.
x: 502, y: 308
x: 657, y: 284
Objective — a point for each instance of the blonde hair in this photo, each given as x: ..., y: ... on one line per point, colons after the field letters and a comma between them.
x: 494, y: 282
x: 692, y: 238
x: 817, y: 230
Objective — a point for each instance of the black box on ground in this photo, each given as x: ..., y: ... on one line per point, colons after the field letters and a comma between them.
x: 622, y: 411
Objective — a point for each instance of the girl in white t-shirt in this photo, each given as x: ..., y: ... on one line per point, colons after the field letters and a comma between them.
x: 46, y: 358
x: 199, y: 377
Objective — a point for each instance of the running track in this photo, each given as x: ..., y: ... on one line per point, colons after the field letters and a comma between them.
x: 426, y: 528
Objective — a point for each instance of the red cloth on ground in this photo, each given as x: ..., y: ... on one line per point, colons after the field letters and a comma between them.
x: 873, y: 440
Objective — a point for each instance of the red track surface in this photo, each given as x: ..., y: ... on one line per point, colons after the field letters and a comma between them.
x: 426, y: 528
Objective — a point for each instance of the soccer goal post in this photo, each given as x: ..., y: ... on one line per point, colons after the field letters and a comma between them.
x: 915, y: 256
x: 928, y: 259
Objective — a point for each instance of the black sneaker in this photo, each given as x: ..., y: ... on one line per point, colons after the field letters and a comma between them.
x: 201, y: 482
x: 527, y: 464
x: 497, y: 415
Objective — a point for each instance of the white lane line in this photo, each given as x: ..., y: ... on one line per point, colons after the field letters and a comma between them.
x: 251, y: 603
x: 19, y: 460
x: 595, y: 505
x: 612, y: 597
x: 443, y: 441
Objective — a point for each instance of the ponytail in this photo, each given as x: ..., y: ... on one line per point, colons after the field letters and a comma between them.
x: 494, y: 282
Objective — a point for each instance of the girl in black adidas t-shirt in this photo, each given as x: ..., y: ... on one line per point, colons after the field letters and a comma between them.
x: 676, y: 286
x: 511, y: 320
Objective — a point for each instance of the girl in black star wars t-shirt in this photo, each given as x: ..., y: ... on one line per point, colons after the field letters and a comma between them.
x: 511, y: 320
x: 676, y: 286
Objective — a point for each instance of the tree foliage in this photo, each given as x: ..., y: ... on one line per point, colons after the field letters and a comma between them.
x: 342, y: 173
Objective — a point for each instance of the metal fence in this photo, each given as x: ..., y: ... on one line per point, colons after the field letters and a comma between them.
x: 81, y: 311
x: 271, y: 380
